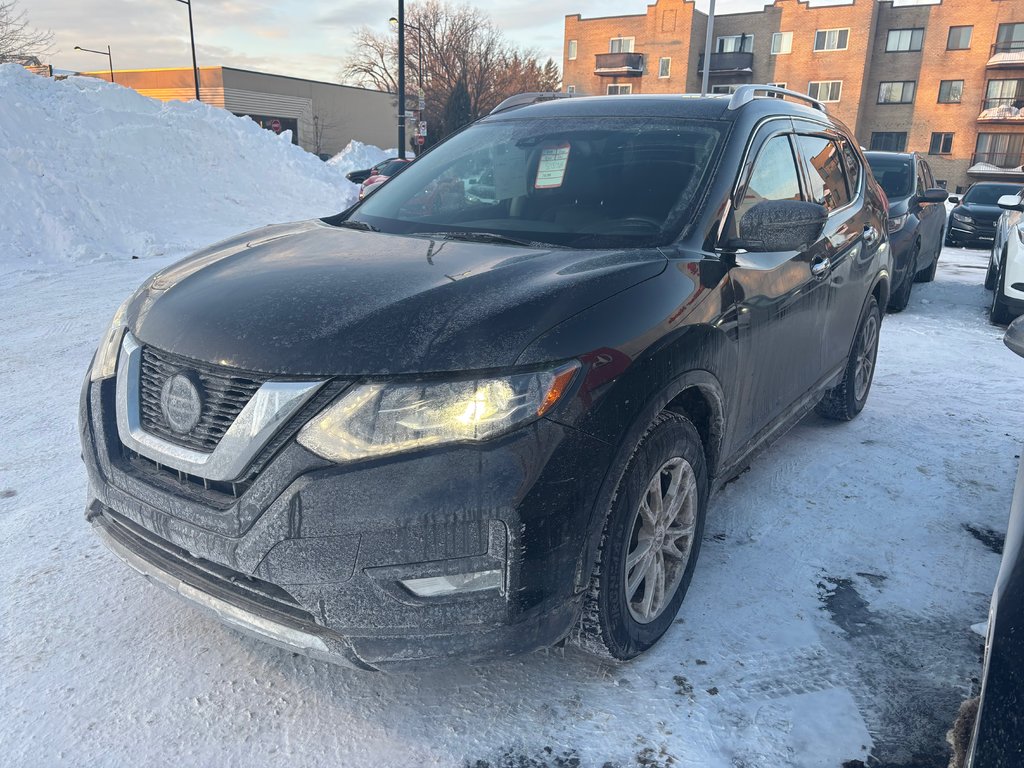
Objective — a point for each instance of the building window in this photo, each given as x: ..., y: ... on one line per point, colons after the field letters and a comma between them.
x: 1010, y: 37
x: 825, y: 90
x: 1003, y: 150
x: 951, y: 91
x: 570, y: 89
x: 959, y: 38
x: 1004, y: 93
x: 776, y: 95
x: 735, y: 44
x: 664, y: 66
x: 724, y: 88
x: 941, y: 144
x: 831, y: 39
x: 904, y: 40
x: 573, y: 46
x: 889, y: 141
x: 620, y: 45
x: 897, y: 92
x: 782, y: 42
x: 619, y: 90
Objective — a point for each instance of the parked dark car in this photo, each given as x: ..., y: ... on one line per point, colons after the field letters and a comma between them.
x: 432, y: 426
x: 995, y: 738
x: 377, y: 175
x: 973, y: 220
x: 916, y: 221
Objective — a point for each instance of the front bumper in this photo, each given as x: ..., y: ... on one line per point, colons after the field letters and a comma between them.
x: 974, y: 232
x: 322, y: 550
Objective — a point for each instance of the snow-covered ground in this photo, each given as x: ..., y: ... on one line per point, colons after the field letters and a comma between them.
x: 828, y: 618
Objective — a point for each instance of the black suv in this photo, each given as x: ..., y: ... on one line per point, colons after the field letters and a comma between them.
x: 440, y: 424
x: 916, y: 222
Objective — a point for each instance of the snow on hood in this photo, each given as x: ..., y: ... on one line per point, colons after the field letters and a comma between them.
x: 92, y: 170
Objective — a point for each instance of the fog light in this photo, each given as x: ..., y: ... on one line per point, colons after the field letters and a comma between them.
x: 438, y: 586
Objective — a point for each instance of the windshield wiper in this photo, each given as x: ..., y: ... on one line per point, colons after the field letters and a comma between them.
x: 361, y: 225
x: 482, y: 237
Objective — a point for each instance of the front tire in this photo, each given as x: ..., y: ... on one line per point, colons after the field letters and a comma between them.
x: 649, y: 544
x: 844, y: 401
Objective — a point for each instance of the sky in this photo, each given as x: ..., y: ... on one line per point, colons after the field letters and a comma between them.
x: 302, y: 38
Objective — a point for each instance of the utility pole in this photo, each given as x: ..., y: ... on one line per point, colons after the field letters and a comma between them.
x: 401, y: 79
x: 707, y: 49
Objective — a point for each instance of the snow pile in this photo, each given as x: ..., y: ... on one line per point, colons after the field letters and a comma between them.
x: 91, y: 170
x: 357, y: 156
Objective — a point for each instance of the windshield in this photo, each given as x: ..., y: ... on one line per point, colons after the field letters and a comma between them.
x: 989, y: 194
x: 895, y: 174
x: 578, y: 182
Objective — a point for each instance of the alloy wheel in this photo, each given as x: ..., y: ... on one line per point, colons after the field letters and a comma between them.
x: 866, y: 357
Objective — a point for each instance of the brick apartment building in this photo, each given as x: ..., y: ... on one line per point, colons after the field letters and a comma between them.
x: 945, y: 79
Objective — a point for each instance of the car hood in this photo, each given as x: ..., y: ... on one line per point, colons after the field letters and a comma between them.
x: 979, y: 212
x: 314, y: 299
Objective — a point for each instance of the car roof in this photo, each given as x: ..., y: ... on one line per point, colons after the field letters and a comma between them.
x: 713, y: 107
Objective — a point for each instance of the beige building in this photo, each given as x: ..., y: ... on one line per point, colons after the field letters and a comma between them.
x: 323, y: 117
x: 945, y: 79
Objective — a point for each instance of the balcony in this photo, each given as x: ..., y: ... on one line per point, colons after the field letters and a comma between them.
x: 735, y: 62
x: 1009, y: 109
x: 1002, y: 164
x: 619, y: 65
x: 1007, y: 55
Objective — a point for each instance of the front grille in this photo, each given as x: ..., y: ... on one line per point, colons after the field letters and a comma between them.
x: 216, y: 494
x: 225, y: 393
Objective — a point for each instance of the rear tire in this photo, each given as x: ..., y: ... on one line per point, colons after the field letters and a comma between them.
x: 901, y: 296
x: 844, y: 401
x: 998, y: 313
x: 653, y: 526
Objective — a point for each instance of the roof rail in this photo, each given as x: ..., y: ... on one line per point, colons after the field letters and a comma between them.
x: 746, y: 93
x: 525, y: 99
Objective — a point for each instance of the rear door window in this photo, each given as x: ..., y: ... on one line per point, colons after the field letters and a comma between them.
x: 825, y: 171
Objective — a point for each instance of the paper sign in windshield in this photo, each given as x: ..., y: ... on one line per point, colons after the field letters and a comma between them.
x: 551, y: 169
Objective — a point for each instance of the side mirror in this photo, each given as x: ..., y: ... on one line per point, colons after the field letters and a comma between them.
x: 954, y: 200
x: 358, y: 177
x: 1014, y: 336
x: 781, y: 225
x: 1010, y: 203
x: 933, y: 195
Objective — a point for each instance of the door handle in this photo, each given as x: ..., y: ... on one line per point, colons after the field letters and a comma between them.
x: 820, y: 266
x: 870, y: 234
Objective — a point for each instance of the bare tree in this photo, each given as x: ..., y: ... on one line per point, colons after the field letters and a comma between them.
x: 324, y: 123
x: 461, y: 49
x: 20, y: 42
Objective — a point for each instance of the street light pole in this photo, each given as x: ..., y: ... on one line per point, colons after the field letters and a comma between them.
x: 110, y: 59
x: 419, y: 60
x: 192, y: 37
x: 401, y: 79
x: 707, y: 49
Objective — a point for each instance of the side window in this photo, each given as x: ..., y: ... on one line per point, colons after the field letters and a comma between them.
x: 774, y: 176
x: 825, y: 171
x: 922, y: 182
x: 853, y: 166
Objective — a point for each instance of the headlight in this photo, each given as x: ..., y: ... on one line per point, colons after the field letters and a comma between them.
x: 104, y: 364
x: 962, y: 219
x: 384, y: 418
x: 896, y: 222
